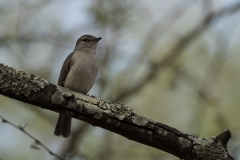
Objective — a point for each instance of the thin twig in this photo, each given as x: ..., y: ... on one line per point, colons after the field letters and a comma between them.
x: 21, y: 128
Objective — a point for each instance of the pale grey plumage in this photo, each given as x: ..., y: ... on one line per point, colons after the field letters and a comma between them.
x: 78, y: 73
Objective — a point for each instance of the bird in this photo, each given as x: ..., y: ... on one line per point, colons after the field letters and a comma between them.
x: 78, y: 73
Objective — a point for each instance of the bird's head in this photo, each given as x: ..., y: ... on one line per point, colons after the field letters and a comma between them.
x: 87, y: 43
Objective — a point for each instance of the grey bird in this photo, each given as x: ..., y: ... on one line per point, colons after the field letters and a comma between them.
x: 78, y: 73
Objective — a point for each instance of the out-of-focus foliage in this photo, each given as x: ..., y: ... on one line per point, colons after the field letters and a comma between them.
x: 197, y: 92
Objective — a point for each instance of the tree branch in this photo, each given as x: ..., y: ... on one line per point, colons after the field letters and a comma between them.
x: 114, y: 117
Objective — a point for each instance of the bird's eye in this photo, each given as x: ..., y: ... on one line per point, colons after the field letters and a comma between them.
x: 85, y: 39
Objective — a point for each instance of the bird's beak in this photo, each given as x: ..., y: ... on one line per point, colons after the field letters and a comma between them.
x: 98, y: 39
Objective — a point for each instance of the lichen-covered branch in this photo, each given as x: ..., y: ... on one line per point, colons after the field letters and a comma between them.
x: 114, y: 117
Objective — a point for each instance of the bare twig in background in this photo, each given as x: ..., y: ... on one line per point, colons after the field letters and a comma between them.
x: 37, y: 142
x: 206, y: 89
x: 208, y: 84
x: 205, y: 94
x: 158, y: 30
x: 177, y: 50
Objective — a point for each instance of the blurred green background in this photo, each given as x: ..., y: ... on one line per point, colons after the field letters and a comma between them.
x: 158, y: 57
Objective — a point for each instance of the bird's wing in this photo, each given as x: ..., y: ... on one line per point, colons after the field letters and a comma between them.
x: 65, y: 69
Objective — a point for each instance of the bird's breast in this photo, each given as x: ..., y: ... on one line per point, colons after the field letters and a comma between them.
x: 82, y: 75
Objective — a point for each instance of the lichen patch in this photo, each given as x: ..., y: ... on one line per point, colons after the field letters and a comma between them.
x: 19, y: 81
x: 94, y: 110
x: 141, y: 121
x: 184, y: 142
x: 57, y: 98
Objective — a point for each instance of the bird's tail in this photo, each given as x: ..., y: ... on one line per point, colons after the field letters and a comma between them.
x: 63, y: 127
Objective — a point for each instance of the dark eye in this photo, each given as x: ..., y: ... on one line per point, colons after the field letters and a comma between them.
x: 85, y: 39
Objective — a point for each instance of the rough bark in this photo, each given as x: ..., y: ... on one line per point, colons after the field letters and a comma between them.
x: 114, y: 117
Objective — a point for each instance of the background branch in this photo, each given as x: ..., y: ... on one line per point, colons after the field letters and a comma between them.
x: 37, y: 142
x: 177, y: 50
